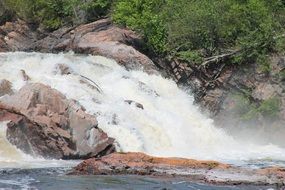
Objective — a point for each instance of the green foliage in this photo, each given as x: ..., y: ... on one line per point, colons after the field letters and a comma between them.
x: 269, y: 108
x: 282, y: 75
x: 54, y: 13
x: 215, y: 26
x: 210, y: 27
x: 263, y: 63
x: 145, y: 17
x: 190, y: 56
x: 189, y: 29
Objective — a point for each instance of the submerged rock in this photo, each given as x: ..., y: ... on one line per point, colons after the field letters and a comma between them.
x: 138, y: 105
x: 202, y: 171
x: 62, y: 69
x: 44, y: 122
x: 24, y: 75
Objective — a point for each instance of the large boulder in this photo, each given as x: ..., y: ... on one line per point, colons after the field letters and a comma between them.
x: 99, y: 38
x: 43, y: 122
x: 96, y: 38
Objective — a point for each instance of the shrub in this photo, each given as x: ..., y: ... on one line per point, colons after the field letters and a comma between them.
x: 216, y: 26
x: 52, y: 14
x: 145, y: 17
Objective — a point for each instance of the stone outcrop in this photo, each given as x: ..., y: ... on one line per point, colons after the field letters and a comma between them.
x: 96, y: 38
x: 99, y: 38
x: 43, y: 122
x: 193, y: 170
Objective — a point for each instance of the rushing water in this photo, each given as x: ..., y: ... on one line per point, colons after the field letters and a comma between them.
x: 169, y: 124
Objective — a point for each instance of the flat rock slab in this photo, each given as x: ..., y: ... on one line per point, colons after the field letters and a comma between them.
x: 43, y: 122
x: 194, y: 170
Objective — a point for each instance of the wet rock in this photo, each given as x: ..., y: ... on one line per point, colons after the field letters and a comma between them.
x: 115, y: 119
x: 138, y: 105
x: 63, y: 69
x: 25, y: 77
x: 5, y: 87
x: 203, y: 171
x: 52, y: 126
x: 141, y: 164
x: 147, y: 89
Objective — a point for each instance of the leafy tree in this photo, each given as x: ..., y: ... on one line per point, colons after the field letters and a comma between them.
x: 216, y: 26
x: 145, y: 17
x: 54, y: 13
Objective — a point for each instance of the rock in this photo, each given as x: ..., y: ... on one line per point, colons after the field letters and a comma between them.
x: 63, y: 69
x: 5, y: 87
x: 24, y: 75
x: 147, y: 89
x: 213, y: 100
x: 263, y: 91
x: 139, y: 163
x: 100, y: 38
x: 97, y: 38
x: 138, y: 105
x: 194, y: 170
x: 16, y: 36
x: 49, y: 125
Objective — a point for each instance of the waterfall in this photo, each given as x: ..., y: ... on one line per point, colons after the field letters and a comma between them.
x: 168, y: 125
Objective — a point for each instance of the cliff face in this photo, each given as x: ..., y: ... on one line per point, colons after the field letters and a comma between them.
x: 247, y: 100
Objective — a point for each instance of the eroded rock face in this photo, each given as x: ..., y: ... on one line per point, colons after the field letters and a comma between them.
x: 49, y: 125
x: 203, y: 171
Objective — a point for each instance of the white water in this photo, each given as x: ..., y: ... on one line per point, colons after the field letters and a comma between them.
x: 169, y: 125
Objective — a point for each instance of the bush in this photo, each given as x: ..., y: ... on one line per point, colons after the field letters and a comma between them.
x: 216, y: 26
x: 52, y: 14
x: 145, y: 17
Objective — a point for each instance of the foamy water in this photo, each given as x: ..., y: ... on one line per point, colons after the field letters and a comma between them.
x: 169, y: 124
